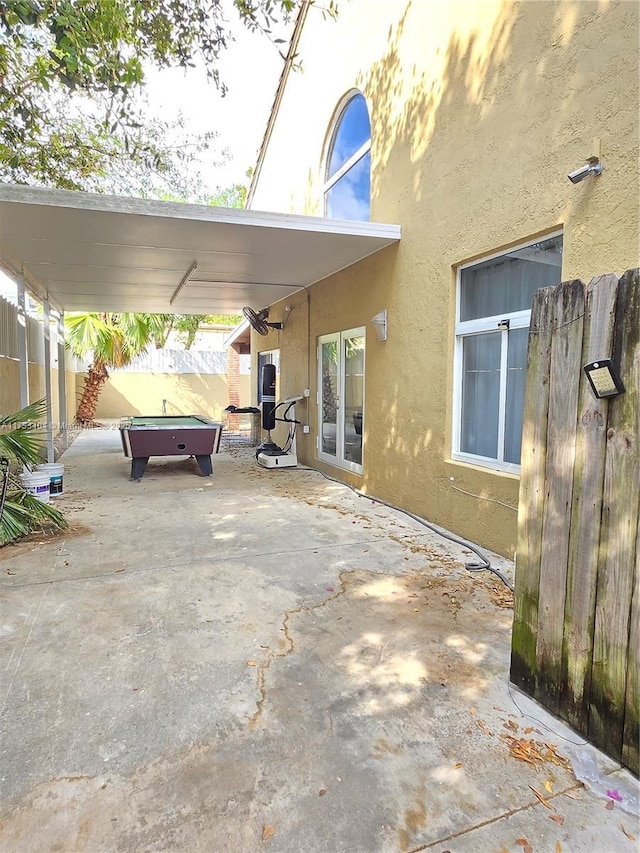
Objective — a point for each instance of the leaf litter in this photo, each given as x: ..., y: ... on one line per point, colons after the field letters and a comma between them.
x: 535, y: 752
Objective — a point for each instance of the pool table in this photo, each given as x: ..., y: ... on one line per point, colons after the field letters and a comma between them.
x: 169, y: 435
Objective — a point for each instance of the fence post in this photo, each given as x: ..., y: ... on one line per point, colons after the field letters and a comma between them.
x: 564, y: 378
x: 23, y: 356
x: 531, y: 501
x: 614, y: 703
x: 588, y: 477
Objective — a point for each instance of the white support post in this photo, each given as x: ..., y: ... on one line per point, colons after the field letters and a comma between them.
x: 22, y: 342
x: 51, y: 453
x: 62, y: 381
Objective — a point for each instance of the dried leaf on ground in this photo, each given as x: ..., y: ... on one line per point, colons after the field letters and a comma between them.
x: 534, y: 752
x: 548, y: 786
x: 502, y: 596
x: 268, y: 832
x: 557, y: 817
x: 522, y: 842
x: 511, y: 725
x: 609, y: 805
x: 628, y: 834
x: 558, y: 847
x: 252, y: 663
x: 484, y: 728
x: 541, y: 798
x: 524, y: 750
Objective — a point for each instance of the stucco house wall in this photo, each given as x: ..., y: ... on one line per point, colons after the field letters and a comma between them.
x: 478, y: 112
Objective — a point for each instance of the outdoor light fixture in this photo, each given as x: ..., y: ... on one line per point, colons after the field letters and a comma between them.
x: 593, y: 166
x: 603, y: 378
x: 184, y: 282
x: 380, y: 323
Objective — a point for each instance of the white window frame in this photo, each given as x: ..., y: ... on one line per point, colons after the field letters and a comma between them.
x: 346, y: 167
x: 339, y: 460
x: 365, y: 148
x: 467, y: 328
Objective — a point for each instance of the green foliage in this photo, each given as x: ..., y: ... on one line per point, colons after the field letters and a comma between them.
x: 71, y: 76
x: 234, y: 196
x: 230, y: 320
x: 21, y: 442
x: 114, y: 339
x: 187, y: 325
x: 23, y: 514
x: 21, y: 434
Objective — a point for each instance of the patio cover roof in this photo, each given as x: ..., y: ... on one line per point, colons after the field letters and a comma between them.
x: 90, y: 252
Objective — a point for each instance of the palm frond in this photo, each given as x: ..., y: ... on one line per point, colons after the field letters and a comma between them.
x: 85, y: 332
x: 23, y: 442
x: 23, y: 514
x: 33, y: 412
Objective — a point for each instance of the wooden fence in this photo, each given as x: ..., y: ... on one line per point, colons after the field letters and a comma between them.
x: 576, y: 632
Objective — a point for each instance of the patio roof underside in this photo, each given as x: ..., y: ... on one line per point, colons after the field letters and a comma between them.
x: 86, y: 252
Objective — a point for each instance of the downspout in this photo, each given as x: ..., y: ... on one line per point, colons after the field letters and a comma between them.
x: 284, y: 76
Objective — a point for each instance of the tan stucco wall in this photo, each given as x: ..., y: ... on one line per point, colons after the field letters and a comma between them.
x: 10, y: 388
x: 9, y: 385
x: 188, y: 393
x: 479, y: 109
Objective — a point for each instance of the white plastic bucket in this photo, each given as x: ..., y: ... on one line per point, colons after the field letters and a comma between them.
x: 37, y: 483
x: 55, y: 470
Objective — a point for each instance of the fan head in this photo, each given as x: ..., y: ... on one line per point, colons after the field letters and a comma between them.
x: 258, y: 320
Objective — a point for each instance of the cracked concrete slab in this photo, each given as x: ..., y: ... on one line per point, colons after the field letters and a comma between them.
x: 267, y: 661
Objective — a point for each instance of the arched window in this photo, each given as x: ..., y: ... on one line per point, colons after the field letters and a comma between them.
x: 347, y: 189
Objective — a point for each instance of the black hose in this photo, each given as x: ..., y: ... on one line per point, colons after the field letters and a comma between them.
x: 483, y: 566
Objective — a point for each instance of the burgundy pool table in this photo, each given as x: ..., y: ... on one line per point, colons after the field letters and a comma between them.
x: 169, y: 435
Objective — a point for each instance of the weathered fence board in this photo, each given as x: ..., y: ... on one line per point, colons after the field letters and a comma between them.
x: 576, y: 633
x: 620, y: 507
x: 531, y: 501
x: 588, y: 476
x: 564, y: 373
x: 631, y: 732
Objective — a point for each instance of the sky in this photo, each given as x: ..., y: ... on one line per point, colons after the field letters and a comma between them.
x: 251, y: 68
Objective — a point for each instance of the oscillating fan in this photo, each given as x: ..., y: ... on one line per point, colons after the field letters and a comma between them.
x: 258, y: 320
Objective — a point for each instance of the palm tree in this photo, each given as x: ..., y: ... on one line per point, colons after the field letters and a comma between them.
x: 21, y: 440
x: 112, y: 340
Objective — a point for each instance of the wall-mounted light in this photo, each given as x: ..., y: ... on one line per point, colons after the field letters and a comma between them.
x: 185, y: 281
x: 380, y: 324
x: 603, y: 378
x: 593, y: 166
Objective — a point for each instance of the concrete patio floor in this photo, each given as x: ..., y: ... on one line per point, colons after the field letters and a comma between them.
x: 264, y: 660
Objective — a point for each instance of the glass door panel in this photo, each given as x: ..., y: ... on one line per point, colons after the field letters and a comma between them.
x: 353, y: 396
x: 329, y: 396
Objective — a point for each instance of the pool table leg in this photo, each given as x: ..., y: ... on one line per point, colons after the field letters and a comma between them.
x: 205, y: 466
x: 138, y: 466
